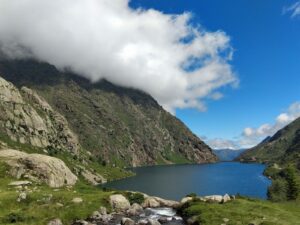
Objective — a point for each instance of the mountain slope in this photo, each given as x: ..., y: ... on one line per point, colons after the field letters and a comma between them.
x: 282, y: 155
x: 115, y: 125
x: 283, y: 147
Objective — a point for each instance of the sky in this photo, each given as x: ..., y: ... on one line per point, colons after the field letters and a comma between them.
x: 228, y: 69
x: 265, y: 37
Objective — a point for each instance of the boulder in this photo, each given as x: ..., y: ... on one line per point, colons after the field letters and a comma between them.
x: 226, y: 198
x: 127, y: 221
x: 135, y: 210
x: 167, y: 203
x: 55, y: 222
x: 150, y: 202
x: 153, y: 222
x: 46, y: 169
x: 119, y: 203
x: 214, y: 198
x: 186, y: 199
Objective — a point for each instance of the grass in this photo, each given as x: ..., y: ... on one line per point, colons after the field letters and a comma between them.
x: 38, y: 208
x: 244, y: 211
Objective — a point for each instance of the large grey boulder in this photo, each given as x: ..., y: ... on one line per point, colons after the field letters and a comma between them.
x: 119, y: 203
x: 37, y: 167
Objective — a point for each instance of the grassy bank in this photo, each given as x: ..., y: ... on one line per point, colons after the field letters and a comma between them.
x: 43, y: 203
x: 244, y: 211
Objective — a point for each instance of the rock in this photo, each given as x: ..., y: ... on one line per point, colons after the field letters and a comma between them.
x: 226, y: 198
x: 153, y: 222
x: 226, y: 220
x: 167, y: 203
x: 81, y: 222
x: 150, y: 202
x: 135, y: 210
x: 142, y: 222
x: 22, y: 196
x: 59, y: 204
x: 55, y: 222
x: 214, y: 198
x: 20, y: 183
x: 93, y: 178
x: 96, y: 215
x: 186, y: 199
x: 77, y: 200
x: 127, y: 221
x: 192, y: 221
x: 119, y: 203
x: 163, y: 219
x: 103, y: 210
x: 47, y: 169
x: 27, y: 118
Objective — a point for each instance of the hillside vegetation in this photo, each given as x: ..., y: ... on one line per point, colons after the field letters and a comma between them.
x: 281, y: 153
x: 116, y: 126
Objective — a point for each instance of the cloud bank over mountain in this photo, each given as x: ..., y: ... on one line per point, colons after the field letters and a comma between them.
x: 251, y: 136
x: 178, y: 63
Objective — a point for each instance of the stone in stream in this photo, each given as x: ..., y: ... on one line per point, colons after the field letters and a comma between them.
x: 127, y: 221
x: 135, y: 210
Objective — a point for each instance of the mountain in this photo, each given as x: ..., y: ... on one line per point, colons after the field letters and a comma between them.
x: 111, y: 125
x: 228, y: 154
x: 283, y: 147
x: 281, y: 153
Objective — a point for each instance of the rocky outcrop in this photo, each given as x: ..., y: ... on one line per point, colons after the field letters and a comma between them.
x: 39, y: 168
x: 155, y: 202
x: 93, y: 178
x: 119, y: 203
x: 27, y: 118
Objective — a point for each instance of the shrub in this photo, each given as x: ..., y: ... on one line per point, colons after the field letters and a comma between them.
x: 193, y: 195
x: 135, y: 197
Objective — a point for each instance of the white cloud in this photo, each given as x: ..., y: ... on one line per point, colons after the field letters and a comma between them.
x: 178, y: 63
x: 293, y: 10
x: 219, y: 143
x: 251, y: 136
x: 292, y: 113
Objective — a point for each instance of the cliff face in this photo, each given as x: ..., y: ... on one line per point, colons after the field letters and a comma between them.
x: 116, y: 125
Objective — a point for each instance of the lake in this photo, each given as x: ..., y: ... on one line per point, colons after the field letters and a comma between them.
x: 176, y: 181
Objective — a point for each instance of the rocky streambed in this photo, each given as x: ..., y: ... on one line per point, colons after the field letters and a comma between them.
x: 153, y: 211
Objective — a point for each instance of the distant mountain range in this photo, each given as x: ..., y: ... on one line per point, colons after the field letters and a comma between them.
x: 228, y: 154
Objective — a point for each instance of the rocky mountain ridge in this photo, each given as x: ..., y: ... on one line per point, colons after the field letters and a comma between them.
x: 113, y: 125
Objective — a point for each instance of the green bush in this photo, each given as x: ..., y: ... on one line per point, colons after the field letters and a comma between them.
x: 135, y: 197
x: 193, y: 195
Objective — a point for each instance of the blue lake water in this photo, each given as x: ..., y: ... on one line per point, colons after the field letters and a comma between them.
x: 176, y: 181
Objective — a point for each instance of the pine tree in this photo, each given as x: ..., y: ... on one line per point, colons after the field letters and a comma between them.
x: 293, y: 187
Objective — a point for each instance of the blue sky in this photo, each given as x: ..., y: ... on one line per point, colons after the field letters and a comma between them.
x: 183, y: 61
x: 266, y: 61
